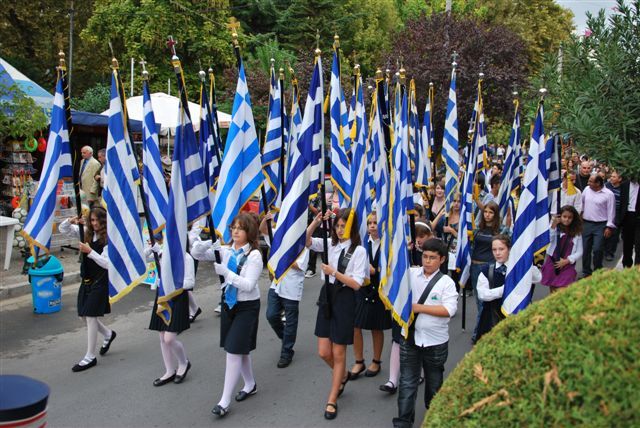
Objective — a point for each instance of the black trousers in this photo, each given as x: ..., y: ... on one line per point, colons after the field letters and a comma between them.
x: 630, y: 239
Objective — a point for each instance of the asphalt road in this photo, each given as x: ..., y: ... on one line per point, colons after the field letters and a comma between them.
x: 118, y: 392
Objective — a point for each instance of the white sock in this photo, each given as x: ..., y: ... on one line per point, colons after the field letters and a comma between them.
x: 103, y: 330
x: 394, y: 363
x: 193, y: 306
x: 231, y: 377
x: 247, y: 373
x: 177, y: 349
x: 92, y: 337
x: 167, y: 358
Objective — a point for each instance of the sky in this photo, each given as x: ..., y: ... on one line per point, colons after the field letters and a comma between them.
x: 581, y: 7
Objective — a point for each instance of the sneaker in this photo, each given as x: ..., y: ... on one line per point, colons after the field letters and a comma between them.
x: 309, y: 274
x: 218, y: 309
x: 283, y: 362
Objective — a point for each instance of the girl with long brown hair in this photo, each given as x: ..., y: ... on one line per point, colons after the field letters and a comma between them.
x: 93, y: 294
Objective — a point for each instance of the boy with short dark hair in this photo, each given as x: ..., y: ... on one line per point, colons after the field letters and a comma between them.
x: 435, y: 301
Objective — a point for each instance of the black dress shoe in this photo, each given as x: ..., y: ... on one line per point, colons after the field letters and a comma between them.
x: 372, y: 373
x: 331, y: 415
x: 354, y: 375
x: 180, y: 378
x: 220, y: 411
x: 283, y: 362
x: 193, y: 317
x: 82, y: 367
x: 105, y: 348
x: 391, y: 389
x: 241, y: 396
x: 160, y: 381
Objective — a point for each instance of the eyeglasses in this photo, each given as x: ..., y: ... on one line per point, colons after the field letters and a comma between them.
x: 232, y: 228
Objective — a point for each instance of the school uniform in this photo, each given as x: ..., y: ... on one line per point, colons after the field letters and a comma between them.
x: 336, y: 311
x: 239, y: 324
x: 490, y: 293
x: 562, y: 246
x: 179, y: 304
x: 371, y: 313
x: 427, y: 347
x: 93, y: 294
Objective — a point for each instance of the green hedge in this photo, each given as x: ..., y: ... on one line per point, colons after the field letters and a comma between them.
x: 571, y: 359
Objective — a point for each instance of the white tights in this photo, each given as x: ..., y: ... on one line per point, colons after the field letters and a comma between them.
x: 193, y: 306
x: 394, y: 363
x: 237, y: 365
x: 172, y: 352
x: 94, y: 325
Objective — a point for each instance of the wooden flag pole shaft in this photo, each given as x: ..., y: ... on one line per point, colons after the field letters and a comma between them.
x: 283, y: 151
x: 214, y: 113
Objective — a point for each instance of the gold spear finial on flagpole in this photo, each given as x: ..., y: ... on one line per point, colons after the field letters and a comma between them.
x: 62, y: 65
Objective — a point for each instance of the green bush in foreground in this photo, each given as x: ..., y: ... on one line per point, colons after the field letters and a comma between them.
x: 571, y: 359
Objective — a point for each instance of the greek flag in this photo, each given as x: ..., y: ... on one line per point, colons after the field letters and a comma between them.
x: 289, y: 235
x: 552, y: 149
x: 423, y: 169
x: 127, y: 265
x: 466, y: 223
x: 359, y: 172
x: 531, y: 226
x: 482, y: 157
x: 380, y: 172
x: 153, y: 175
x: 38, y: 227
x: 511, y: 164
x: 188, y: 202
x: 415, y: 136
x: 294, y: 126
x: 395, y: 285
x: 340, y: 172
x: 271, y: 156
x: 241, y: 171
x: 209, y: 150
x: 450, y: 154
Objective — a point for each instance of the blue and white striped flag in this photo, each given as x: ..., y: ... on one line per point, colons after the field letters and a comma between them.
x: 466, y: 223
x: 209, y: 150
x: 531, y: 226
x: 359, y: 171
x: 188, y: 202
x: 396, y: 285
x: 289, y: 235
x: 241, y: 171
x: 271, y: 151
x: 155, y: 187
x: 511, y: 164
x: 127, y: 264
x: 450, y: 154
x: 294, y: 125
x: 340, y: 170
x: 38, y: 227
x: 552, y: 149
x: 423, y: 169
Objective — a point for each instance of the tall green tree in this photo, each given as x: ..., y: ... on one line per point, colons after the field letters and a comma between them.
x: 139, y: 29
x: 599, y: 90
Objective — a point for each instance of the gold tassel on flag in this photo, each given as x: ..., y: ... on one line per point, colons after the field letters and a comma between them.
x: 349, y: 224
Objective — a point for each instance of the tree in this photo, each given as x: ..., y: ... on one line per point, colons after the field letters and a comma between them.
x: 94, y: 100
x: 20, y: 117
x: 426, y: 46
x: 139, y: 29
x: 599, y: 89
x: 542, y: 24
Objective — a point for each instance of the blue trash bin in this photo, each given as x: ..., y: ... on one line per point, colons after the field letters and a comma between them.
x: 46, y: 285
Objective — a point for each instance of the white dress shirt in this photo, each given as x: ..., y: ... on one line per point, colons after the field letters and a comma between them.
x: 102, y: 259
x: 247, y: 281
x: 633, y: 196
x: 290, y: 286
x: 487, y: 294
x: 358, y: 265
x: 189, y: 267
x: 432, y: 330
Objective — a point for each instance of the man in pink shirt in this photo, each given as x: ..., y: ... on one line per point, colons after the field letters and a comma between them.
x: 598, y: 214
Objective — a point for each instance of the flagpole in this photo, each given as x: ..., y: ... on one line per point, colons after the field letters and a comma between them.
x: 413, y: 254
x: 145, y: 206
x: 236, y: 50
x: 283, y: 151
x: 76, y: 152
x: 557, y: 141
x: 214, y: 112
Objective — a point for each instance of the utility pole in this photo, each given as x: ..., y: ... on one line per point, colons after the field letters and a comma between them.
x: 70, y: 62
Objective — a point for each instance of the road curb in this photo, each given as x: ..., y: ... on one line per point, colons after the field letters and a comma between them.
x: 24, y: 287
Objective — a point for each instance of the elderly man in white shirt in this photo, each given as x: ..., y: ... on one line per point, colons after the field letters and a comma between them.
x: 428, y: 344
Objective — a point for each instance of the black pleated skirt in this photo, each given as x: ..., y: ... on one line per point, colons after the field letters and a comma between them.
x: 93, y: 297
x: 239, y: 327
x: 370, y: 311
x: 179, y: 315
